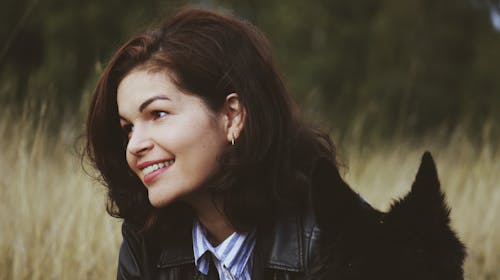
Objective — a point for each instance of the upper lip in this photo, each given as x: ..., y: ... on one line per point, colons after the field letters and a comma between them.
x: 145, y: 164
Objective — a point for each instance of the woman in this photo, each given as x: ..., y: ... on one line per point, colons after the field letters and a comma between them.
x: 216, y: 176
x: 204, y: 157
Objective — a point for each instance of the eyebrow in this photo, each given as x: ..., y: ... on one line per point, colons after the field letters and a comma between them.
x: 151, y: 100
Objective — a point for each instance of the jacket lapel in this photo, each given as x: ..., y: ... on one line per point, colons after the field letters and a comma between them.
x: 279, y: 247
x: 177, y: 252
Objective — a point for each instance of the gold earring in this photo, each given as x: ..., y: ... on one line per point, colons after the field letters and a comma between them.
x: 232, y: 139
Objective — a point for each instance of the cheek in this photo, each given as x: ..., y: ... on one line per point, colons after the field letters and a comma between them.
x: 196, y: 133
x: 130, y: 160
x: 198, y: 147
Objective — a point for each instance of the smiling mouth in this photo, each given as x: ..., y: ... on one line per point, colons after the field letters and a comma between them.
x: 152, y: 168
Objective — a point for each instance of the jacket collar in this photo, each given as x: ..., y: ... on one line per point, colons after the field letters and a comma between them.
x: 279, y: 247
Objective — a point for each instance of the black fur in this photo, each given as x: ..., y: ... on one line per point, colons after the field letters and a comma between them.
x: 413, y: 240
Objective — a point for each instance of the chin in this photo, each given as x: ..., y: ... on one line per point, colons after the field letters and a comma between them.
x: 159, y: 201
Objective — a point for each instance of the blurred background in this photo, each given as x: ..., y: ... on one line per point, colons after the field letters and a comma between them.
x: 387, y: 79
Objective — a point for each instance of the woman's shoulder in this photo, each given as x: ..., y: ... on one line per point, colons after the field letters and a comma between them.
x: 130, y: 258
x: 143, y: 254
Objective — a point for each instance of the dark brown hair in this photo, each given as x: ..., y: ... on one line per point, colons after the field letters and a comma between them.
x: 211, y: 55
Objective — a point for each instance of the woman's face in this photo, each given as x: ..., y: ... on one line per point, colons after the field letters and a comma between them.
x: 174, y: 138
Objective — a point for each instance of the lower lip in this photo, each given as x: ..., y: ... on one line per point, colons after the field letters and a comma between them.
x: 148, y: 179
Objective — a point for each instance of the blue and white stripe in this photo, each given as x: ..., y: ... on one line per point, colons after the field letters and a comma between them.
x: 232, y: 257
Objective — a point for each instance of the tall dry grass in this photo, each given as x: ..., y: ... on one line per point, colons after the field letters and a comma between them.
x: 53, y: 224
x: 52, y: 218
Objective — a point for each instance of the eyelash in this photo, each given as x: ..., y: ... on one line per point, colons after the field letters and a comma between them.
x: 157, y: 114
x: 129, y: 128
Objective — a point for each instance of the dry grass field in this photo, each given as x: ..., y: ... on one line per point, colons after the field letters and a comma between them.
x: 53, y: 224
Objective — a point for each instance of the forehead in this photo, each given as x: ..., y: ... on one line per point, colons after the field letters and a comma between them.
x: 142, y: 84
x: 139, y: 86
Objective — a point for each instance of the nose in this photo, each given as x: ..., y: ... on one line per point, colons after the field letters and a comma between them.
x: 139, y: 142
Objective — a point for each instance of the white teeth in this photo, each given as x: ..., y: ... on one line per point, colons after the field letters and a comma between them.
x: 156, y: 166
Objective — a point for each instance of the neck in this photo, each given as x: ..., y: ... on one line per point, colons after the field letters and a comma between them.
x: 209, y: 213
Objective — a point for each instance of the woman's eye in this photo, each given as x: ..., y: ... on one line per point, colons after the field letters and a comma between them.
x: 159, y: 114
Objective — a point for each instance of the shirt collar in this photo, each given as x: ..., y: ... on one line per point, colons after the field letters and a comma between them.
x: 280, y: 247
x: 233, y: 253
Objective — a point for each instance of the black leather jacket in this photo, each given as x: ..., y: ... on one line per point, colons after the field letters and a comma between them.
x: 289, y: 250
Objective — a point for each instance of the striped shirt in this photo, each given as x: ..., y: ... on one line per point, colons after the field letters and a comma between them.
x: 232, y: 257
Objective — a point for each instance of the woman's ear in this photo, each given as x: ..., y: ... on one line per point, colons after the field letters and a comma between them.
x: 235, y: 114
